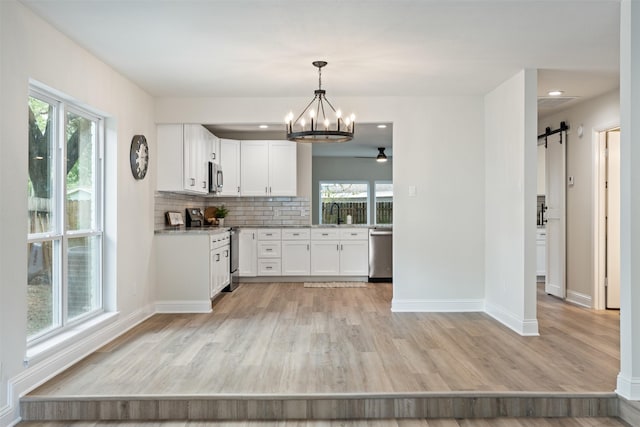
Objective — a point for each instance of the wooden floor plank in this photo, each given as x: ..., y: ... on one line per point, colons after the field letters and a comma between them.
x: 284, y: 338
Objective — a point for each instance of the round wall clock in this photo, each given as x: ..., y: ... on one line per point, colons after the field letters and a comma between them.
x: 139, y: 156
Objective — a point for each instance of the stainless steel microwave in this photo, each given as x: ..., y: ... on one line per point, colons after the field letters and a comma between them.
x: 216, y: 178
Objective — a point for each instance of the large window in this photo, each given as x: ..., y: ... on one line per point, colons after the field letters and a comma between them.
x: 384, y: 202
x: 65, y: 231
x: 340, y: 199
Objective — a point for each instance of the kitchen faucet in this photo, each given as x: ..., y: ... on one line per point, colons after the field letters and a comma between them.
x: 334, y: 204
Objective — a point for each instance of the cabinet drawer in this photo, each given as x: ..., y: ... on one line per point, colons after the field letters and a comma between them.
x: 269, y: 249
x: 325, y: 234
x: 354, y: 233
x: 269, y: 267
x: 269, y: 234
x: 296, y: 234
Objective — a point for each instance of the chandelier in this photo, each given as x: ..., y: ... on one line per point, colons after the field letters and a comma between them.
x: 321, y: 127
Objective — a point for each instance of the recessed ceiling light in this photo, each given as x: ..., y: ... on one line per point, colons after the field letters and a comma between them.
x: 382, y: 126
x: 264, y: 126
x: 555, y: 92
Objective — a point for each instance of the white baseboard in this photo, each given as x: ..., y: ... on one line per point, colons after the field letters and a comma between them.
x: 627, y: 387
x: 524, y: 327
x: 196, y: 306
x: 437, y: 305
x: 73, y: 351
x: 580, y: 299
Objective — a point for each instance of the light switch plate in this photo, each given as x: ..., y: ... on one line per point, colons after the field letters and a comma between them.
x: 571, y: 180
x: 412, y: 191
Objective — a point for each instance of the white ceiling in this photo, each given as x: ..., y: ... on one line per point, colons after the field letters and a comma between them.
x: 264, y: 48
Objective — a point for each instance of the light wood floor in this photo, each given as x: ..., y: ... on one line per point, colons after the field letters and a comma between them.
x: 500, y: 422
x: 284, y: 338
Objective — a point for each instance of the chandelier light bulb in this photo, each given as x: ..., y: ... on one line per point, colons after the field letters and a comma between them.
x: 338, y: 114
x: 312, y: 113
x: 303, y: 122
x: 326, y: 123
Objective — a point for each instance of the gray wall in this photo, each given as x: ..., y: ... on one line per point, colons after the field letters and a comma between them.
x: 346, y: 169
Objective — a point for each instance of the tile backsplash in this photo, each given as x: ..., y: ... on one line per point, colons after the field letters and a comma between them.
x: 243, y: 211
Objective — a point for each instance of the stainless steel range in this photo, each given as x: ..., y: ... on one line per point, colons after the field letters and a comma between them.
x: 233, y: 263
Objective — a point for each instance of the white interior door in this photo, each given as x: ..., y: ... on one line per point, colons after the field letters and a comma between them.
x: 555, y: 169
x: 613, y: 219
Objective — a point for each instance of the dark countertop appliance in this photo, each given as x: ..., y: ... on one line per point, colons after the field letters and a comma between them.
x: 194, y: 217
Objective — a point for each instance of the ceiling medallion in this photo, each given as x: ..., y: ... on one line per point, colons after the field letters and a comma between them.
x: 320, y: 128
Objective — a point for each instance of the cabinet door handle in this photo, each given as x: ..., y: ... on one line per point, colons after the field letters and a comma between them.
x: 265, y: 190
x: 213, y: 156
x: 296, y: 234
x: 341, y: 247
x: 238, y: 189
x: 269, y: 190
x: 268, y: 249
x: 307, y: 247
x: 269, y: 267
x: 204, y: 184
x: 226, y: 253
x: 253, y: 236
x: 354, y: 234
x: 325, y: 234
x: 217, y: 257
x: 337, y: 247
x: 193, y: 182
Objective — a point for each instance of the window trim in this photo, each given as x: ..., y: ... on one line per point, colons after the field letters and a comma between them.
x: 59, y: 235
x: 375, y: 199
x: 344, y: 181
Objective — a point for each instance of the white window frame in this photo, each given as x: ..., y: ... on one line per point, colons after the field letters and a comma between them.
x: 375, y: 201
x: 60, y: 235
x: 344, y: 181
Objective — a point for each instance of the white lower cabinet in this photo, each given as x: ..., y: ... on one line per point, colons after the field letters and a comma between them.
x: 296, y: 252
x: 325, y: 257
x: 304, y: 252
x: 339, y: 252
x: 219, y: 264
x: 248, y: 252
x: 354, y: 258
x: 189, y: 273
x: 269, y: 252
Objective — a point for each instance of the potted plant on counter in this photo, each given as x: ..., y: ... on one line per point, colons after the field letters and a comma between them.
x: 221, y: 213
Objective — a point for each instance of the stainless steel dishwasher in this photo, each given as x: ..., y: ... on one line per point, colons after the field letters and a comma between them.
x: 380, y: 254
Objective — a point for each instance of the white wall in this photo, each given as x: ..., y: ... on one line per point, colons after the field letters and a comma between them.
x: 31, y: 49
x: 438, y: 148
x: 347, y: 169
x: 594, y: 115
x: 510, y: 188
x: 628, y: 384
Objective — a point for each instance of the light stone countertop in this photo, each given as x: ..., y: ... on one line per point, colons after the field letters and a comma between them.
x: 215, y: 230
x: 191, y: 230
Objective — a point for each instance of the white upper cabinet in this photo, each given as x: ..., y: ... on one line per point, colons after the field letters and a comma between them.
x: 268, y: 168
x: 184, y: 151
x: 282, y: 168
x: 229, y: 159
